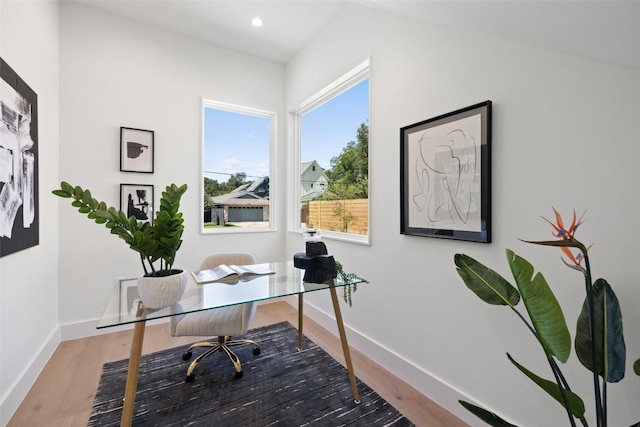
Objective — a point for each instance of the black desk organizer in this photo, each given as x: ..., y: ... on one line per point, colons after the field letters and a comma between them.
x: 318, y: 265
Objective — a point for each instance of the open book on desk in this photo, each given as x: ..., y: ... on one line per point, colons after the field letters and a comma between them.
x: 230, y: 273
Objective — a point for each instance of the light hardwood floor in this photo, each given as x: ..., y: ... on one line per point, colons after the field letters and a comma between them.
x: 63, y: 393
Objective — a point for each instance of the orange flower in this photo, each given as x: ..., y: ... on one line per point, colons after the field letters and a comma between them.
x: 568, y: 234
x: 577, y: 259
x: 561, y: 232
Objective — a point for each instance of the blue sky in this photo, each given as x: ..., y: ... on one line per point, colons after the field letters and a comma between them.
x: 240, y: 142
x: 235, y: 143
x: 328, y: 128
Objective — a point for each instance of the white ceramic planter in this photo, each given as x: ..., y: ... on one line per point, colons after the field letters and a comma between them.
x: 160, y: 292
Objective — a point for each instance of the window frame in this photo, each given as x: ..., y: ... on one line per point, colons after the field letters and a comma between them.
x: 239, y: 109
x: 355, y: 76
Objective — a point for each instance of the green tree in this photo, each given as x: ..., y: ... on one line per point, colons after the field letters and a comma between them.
x: 211, y: 188
x: 214, y: 188
x: 349, y: 171
x: 235, y: 181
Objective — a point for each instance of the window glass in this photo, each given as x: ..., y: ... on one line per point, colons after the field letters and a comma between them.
x: 333, y: 140
x: 237, y: 146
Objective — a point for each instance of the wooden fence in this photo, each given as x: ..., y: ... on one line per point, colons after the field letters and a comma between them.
x: 348, y: 216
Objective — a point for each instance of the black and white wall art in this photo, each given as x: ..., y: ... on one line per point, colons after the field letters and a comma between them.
x: 136, y: 200
x: 445, y: 175
x: 136, y: 150
x: 19, y: 203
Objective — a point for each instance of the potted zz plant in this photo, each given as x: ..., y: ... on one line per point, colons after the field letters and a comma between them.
x: 161, y: 285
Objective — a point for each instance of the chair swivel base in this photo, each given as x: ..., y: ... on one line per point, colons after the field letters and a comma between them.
x: 222, y: 345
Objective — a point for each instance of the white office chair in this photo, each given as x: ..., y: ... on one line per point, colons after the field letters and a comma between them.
x: 222, y: 322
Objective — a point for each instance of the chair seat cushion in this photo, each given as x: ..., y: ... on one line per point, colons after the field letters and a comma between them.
x: 217, y: 322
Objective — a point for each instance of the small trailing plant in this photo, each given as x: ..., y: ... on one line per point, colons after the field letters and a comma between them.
x: 350, y: 281
x: 599, y: 340
x: 157, y: 244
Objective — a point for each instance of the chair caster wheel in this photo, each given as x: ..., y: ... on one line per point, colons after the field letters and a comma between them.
x: 189, y: 378
x: 256, y: 351
x: 186, y: 356
x: 238, y: 374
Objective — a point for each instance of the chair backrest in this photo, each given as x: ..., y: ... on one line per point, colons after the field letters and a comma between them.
x: 233, y: 258
x: 228, y: 258
x: 214, y: 260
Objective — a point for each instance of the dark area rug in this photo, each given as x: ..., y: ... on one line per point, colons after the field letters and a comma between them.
x: 280, y: 387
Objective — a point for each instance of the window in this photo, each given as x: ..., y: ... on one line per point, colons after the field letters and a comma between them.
x: 238, y: 143
x: 332, y: 142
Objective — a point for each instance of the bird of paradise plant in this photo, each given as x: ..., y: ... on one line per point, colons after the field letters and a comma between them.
x: 599, y: 340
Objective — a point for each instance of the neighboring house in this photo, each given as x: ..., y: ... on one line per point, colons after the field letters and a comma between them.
x: 247, y: 203
x: 250, y: 202
x: 313, y: 181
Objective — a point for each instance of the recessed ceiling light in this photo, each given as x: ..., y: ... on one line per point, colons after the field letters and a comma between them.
x: 256, y: 22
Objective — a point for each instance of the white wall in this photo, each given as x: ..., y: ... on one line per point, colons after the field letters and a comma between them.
x: 564, y: 135
x: 29, y: 278
x: 115, y: 72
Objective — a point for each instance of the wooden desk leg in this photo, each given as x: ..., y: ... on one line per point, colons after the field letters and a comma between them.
x: 300, y: 316
x: 345, y: 344
x: 132, y: 374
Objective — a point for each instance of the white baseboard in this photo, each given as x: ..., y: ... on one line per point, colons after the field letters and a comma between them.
x: 17, y: 391
x: 437, y: 390
x: 84, y: 329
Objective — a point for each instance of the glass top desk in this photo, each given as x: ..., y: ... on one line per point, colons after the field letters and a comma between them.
x: 286, y: 281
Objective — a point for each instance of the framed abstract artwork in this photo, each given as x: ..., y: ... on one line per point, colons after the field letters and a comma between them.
x: 19, y: 198
x: 136, y: 200
x: 445, y: 175
x: 136, y: 150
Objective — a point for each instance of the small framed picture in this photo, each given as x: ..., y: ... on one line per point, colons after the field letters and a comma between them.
x: 136, y: 201
x: 136, y: 150
x: 445, y: 175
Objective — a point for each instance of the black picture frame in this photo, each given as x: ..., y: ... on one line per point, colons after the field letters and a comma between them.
x: 137, y: 150
x: 445, y: 175
x: 19, y: 160
x: 137, y: 200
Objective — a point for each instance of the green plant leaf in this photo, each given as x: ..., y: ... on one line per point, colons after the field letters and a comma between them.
x: 636, y: 367
x: 86, y: 197
x: 576, y: 405
x: 77, y: 192
x: 486, y: 283
x: 543, y: 308
x: 609, y: 338
x: 66, y: 187
x: 486, y: 416
x: 569, y: 243
x: 118, y: 216
x: 62, y: 193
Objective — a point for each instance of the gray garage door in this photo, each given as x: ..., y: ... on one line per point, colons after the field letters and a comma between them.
x: 245, y: 214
